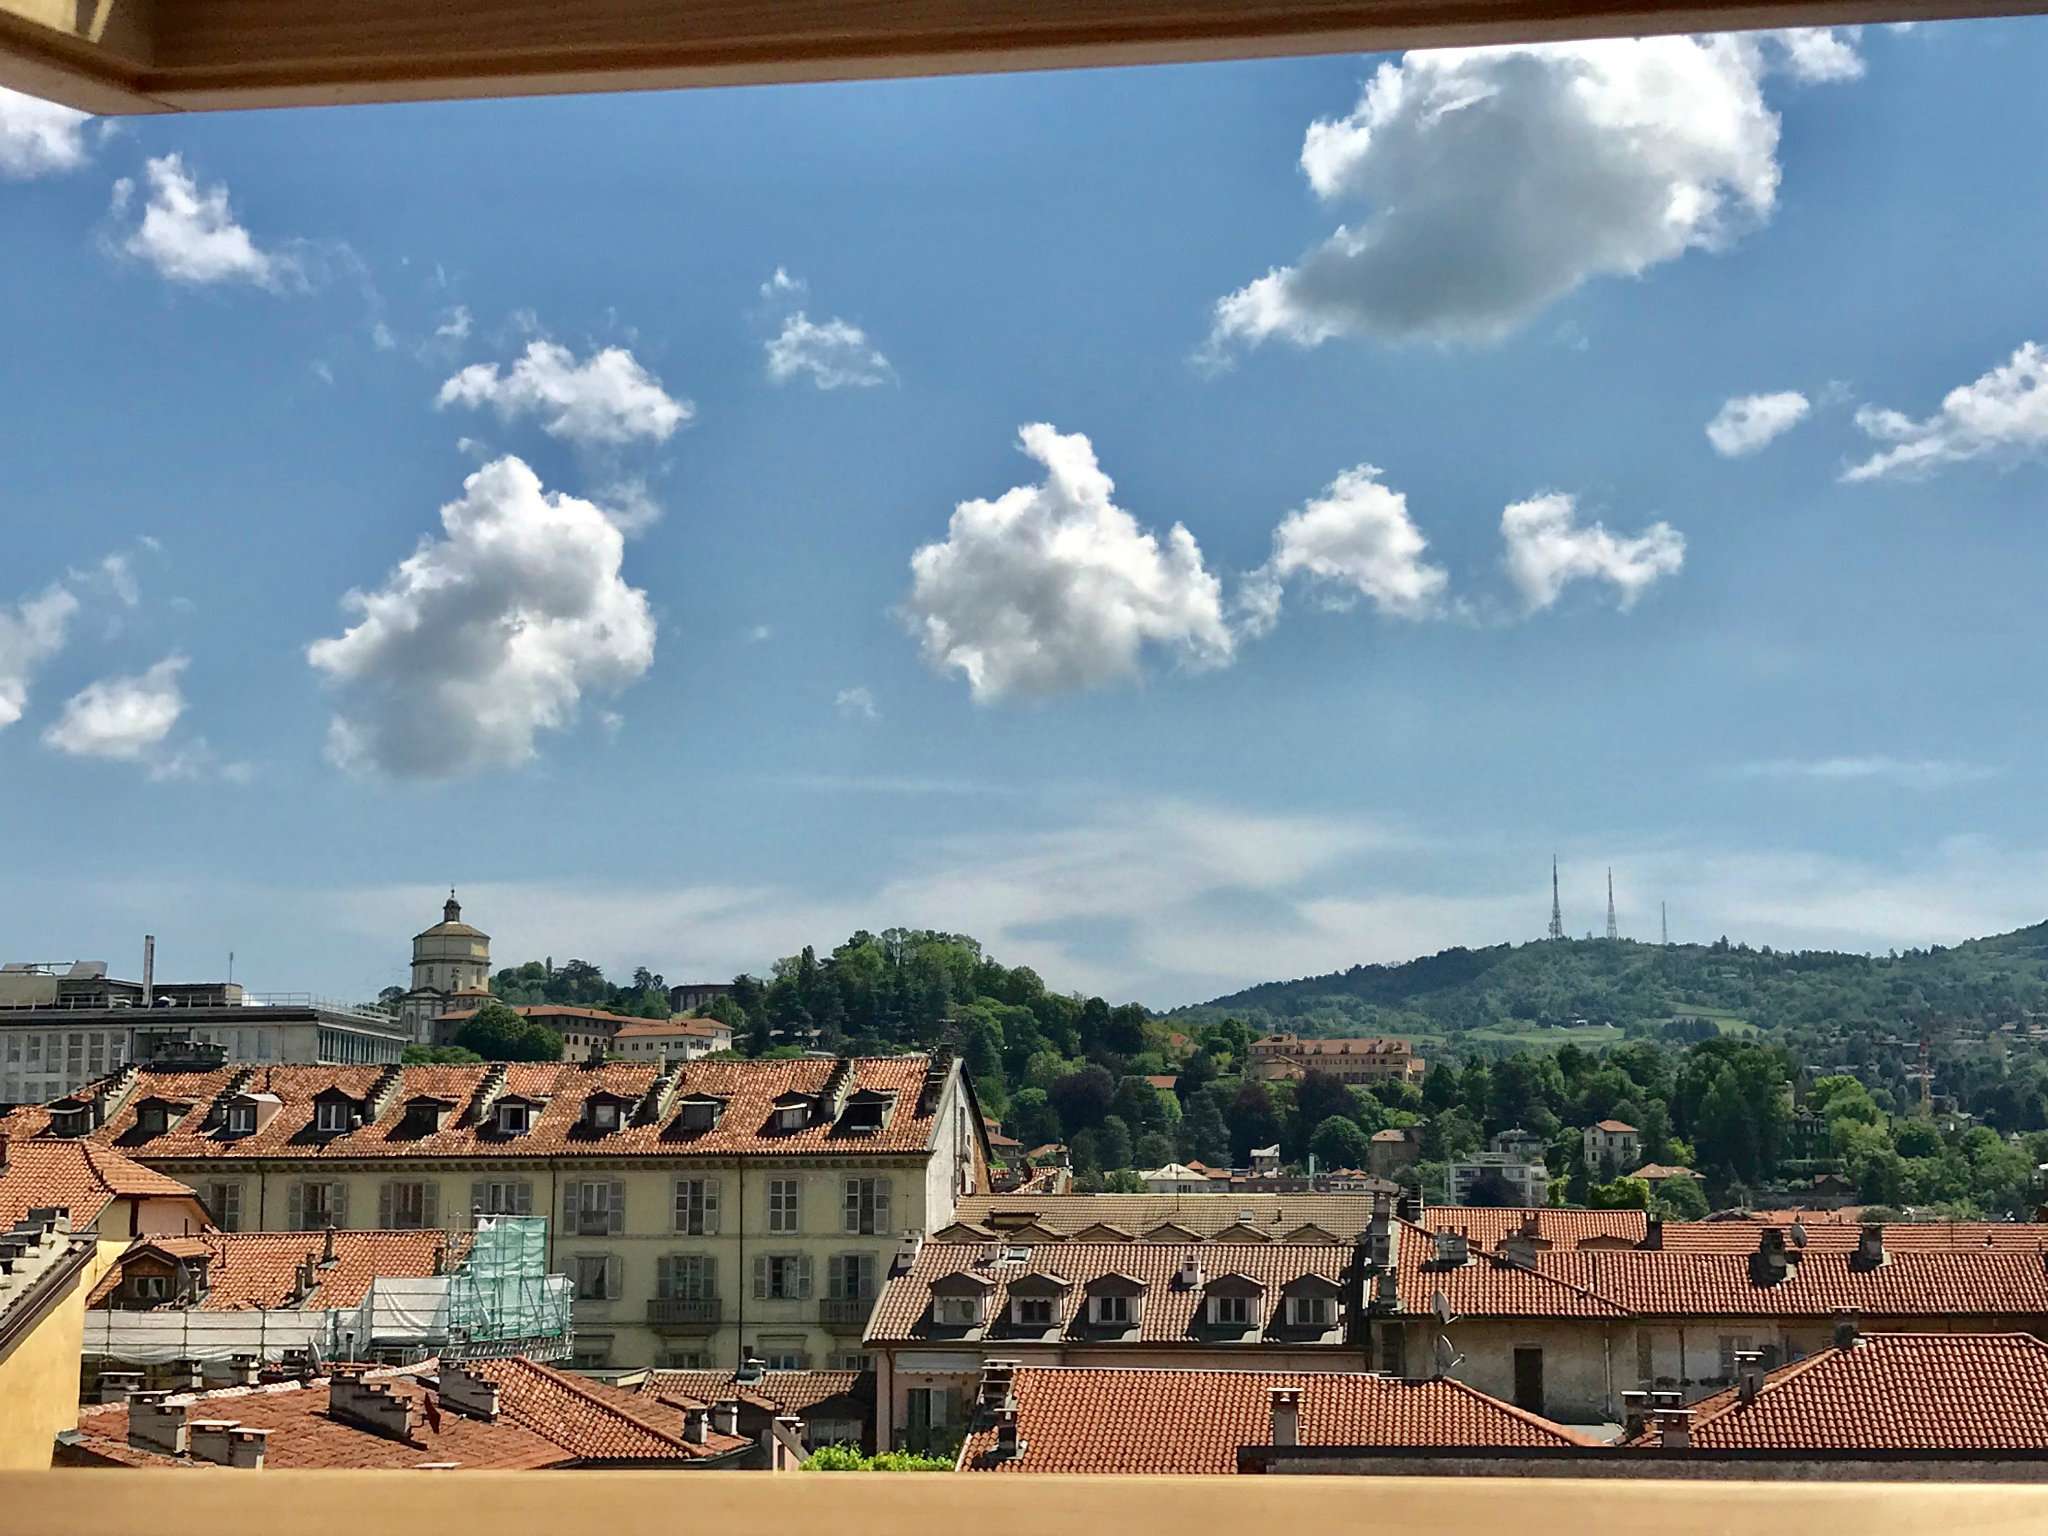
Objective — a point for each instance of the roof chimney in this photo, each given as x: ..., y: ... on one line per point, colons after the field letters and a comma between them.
x: 243, y: 1370
x: 1674, y: 1429
x: 696, y: 1425
x: 157, y: 1424
x: 1380, y: 1234
x: 469, y: 1394
x: 1190, y: 1275
x: 369, y: 1405
x: 1767, y: 1265
x: 1749, y: 1372
x: 327, y: 1248
x: 246, y: 1447
x: 1286, y: 1415
x: 1870, y: 1252
x: 1634, y: 1413
x: 1452, y: 1247
x: 3, y: 1151
x: 1409, y: 1208
x: 725, y: 1416
x: 119, y: 1386
x: 1847, y: 1333
x: 1519, y: 1249
x: 1653, y: 1232
x: 211, y: 1440
x: 1009, y: 1445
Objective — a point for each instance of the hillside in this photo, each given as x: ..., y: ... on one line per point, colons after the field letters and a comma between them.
x: 1594, y: 989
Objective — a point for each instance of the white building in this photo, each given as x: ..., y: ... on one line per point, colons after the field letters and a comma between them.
x: 1529, y: 1180
x: 1612, y: 1144
x: 1176, y: 1179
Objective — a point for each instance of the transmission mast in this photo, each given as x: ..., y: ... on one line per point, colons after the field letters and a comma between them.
x: 1664, y: 924
x: 1556, y: 912
x: 1612, y: 931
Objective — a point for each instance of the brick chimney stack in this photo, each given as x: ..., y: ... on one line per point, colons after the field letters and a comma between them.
x: 1286, y: 1415
x: 370, y: 1405
x: 725, y: 1416
x: 157, y: 1424
x: 1870, y: 1252
x: 1674, y: 1428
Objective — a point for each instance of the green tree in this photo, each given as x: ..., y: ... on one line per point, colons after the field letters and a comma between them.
x: 1620, y: 1195
x: 1113, y: 1142
x: 1031, y: 1119
x: 1679, y: 1200
x: 1204, y: 1137
x: 1253, y: 1121
x: 497, y: 1033
x: 1339, y: 1143
x: 437, y: 1055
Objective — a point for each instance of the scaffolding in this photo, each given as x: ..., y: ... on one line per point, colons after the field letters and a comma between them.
x: 503, y: 1301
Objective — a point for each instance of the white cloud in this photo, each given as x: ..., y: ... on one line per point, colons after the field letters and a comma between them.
x: 31, y: 632
x: 856, y: 704
x: 630, y: 505
x: 1358, y: 536
x: 761, y: 632
x: 782, y: 288
x: 39, y: 138
x: 121, y: 717
x: 1053, y: 587
x: 2002, y: 414
x: 1547, y: 549
x: 1823, y: 55
x: 608, y: 398
x: 481, y: 639
x: 1747, y: 422
x: 194, y: 760
x: 1905, y: 773
x: 189, y: 234
x: 381, y: 337
x: 1493, y: 181
x: 836, y: 354
x: 454, y: 324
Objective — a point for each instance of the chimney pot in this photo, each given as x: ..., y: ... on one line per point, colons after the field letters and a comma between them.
x: 1634, y: 1413
x: 1009, y: 1445
x: 725, y: 1417
x: 1848, y: 1333
x: 211, y: 1440
x: 1286, y: 1415
x: 119, y: 1386
x: 1870, y: 1245
x: 246, y: 1447
x: 327, y: 1247
x: 696, y: 1425
x: 157, y: 1424
x: 1674, y: 1428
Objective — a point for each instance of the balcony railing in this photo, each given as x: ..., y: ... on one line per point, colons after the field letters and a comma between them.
x: 683, y: 1313
x: 847, y: 1314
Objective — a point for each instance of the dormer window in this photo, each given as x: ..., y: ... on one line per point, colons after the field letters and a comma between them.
x: 329, y: 1115
x: 1232, y: 1311
x: 241, y: 1120
x: 514, y: 1117
x: 1112, y: 1311
x: 1031, y: 1311
x: 603, y: 1115
x: 1311, y: 1311
x: 956, y: 1311
x: 70, y: 1121
x: 865, y: 1111
x: 792, y: 1112
x: 700, y: 1112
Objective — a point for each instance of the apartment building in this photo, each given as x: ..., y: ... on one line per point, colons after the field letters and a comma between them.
x: 950, y: 1309
x: 624, y: 1035
x: 1528, y: 1180
x: 708, y: 1212
x: 1612, y: 1145
x: 1360, y: 1061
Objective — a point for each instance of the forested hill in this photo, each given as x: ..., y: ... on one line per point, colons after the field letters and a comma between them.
x: 1580, y: 988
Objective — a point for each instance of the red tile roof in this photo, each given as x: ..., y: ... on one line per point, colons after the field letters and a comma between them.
x: 1617, y: 1127
x: 1486, y: 1285
x: 1138, y: 1421
x: 703, y: 1028
x: 1342, y: 1216
x: 749, y: 1087
x: 796, y: 1392
x: 1487, y: 1225
x: 1928, y: 1283
x: 1891, y: 1392
x: 1826, y: 1236
x: 546, y: 1418
x: 77, y: 1174
x: 246, y: 1270
x: 904, y: 1311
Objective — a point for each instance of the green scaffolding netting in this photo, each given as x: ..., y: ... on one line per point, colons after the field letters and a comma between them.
x: 503, y: 1293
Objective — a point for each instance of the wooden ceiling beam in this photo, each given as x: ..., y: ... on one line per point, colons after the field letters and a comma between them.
x: 115, y: 56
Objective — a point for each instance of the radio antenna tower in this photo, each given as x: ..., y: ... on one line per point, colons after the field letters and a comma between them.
x: 1664, y: 924
x: 1556, y: 912
x: 1612, y: 931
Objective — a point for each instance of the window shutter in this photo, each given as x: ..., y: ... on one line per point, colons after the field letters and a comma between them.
x: 760, y: 1276
x: 337, y: 1204
x: 384, y: 1206
x: 616, y: 1198
x: 707, y: 1278
x: 803, y: 1277
x: 522, y: 1198
x: 569, y: 1192
x: 295, y: 1218
x: 430, y: 1207
x: 851, y: 1220
x: 664, y: 1277
x: 835, y: 1277
x: 613, y: 1268
x: 478, y: 1200
x: 882, y: 1204
x: 711, y: 1206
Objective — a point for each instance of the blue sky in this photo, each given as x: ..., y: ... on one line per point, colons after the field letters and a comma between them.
x: 754, y: 629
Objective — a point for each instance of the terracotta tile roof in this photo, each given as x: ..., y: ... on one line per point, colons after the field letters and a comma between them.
x: 702, y: 1028
x: 903, y: 1313
x: 1891, y: 1392
x: 795, y: 1392
x: 1139, y: 1421
x: 1486, y: 1285
x: 547, y: 1418
x: 546, y: 1011
x: 246, y: 1270
x: 1166, y: 1081
x: 77, y: 1174
x: 1653, y: 1171
x: 1826, y: 1236
x: 749, y: 1087
x: 1487, y: 1225
x: 1617, y: 1127
x: 1342, y: 1216
x: 1927, y: 1283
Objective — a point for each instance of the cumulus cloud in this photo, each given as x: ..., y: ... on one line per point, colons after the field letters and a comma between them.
x: 455, y: 324
x: 835, y: 353
x: 1053, y: 587
x: 31, y: 632
x: 39, y: 138
x: 608, y: 398
x: 1747, y: 422
x: 1492, y: 181
x: 482, y: 638
x: 1356, y: 538
x: 189, y: 233
x: 1823, y: 55
x: 121, y: 717
x: 856, y: 704
x: 2002, y: 413
x: 1547, y: 549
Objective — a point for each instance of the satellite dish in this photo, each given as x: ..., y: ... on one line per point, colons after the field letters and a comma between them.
x: 1798, y: 1234
x: 1440, y: 1304
x: 1447, y: 1360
